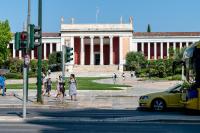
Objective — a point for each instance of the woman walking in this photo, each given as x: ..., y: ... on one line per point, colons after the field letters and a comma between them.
x: 72, y: 87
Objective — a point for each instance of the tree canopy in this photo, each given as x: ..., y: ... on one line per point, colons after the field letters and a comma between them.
x: 5, y: 38
x: 149, y: 28
x: 135, y: 60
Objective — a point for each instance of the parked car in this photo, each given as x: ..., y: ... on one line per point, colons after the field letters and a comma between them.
x: 171, y: 98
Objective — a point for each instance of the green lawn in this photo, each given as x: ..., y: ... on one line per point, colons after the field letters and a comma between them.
x: 83, y: 84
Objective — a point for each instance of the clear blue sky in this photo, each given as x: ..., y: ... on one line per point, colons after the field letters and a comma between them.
x: 162, y: 15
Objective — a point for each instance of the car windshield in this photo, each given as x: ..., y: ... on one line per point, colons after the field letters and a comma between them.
x: 173, y: 88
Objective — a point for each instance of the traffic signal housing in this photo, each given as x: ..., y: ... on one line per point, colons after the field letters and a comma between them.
x: 17, y: 40
x: 21, y: 40
x: 59, y: 57
x: 35, y: 35
x: 69, y: 54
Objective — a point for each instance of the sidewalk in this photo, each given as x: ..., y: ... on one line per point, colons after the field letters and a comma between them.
x: 103, y: 99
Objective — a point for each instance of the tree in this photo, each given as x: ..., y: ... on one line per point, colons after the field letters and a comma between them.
x: 135, y: 60
x: 148, y: 28
x: 5, y: 38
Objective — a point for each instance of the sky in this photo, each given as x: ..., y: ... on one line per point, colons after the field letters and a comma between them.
x: 162, y: 15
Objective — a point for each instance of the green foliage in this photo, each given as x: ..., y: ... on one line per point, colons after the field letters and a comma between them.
x: 52, y: 58
x: 171, y: 52
x: 13, y: 76
x: 53, y: 62
x: 5, y: 38
x: 15, y: 65
x: 45, y: 65
x: 135, y: 60
x: 33, y: 66
x: 179, y: 54
x: 149, y: 28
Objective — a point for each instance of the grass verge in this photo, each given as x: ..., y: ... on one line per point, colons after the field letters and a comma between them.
x: 84, y: 83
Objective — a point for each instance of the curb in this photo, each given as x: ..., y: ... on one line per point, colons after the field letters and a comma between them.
x: 71, y: 119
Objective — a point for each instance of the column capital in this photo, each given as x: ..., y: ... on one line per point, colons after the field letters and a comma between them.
x: 111, y: 37
x: 82, y: 37
x: 101, y: 37
x: 91, y: 37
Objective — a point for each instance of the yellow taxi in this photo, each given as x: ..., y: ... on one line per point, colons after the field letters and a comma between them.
x: 171, y: 98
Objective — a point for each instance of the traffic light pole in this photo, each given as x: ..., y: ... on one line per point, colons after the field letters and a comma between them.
x: 24, y: 90
x: 28, y: 39
x: 39, y: 71
x: 63, y: 62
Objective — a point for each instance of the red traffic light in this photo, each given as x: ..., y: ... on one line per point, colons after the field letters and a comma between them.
x: 23, y: 36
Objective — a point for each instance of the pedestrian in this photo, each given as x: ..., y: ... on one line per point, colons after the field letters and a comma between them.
x: 62, y: 89
x: 123, y: 76
x: 49, y: 84
x: 131, y: 74
x: 114, y: 77
x: 72, y: 87
x: 48, y: 73
x: 43, y: 84
x: 2, y: 84
x: 58, y: 90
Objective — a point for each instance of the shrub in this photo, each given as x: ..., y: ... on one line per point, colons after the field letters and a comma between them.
x: 14, y: 76
x: 135, y: 60
x: 15, y: 65
x: 33, y: 66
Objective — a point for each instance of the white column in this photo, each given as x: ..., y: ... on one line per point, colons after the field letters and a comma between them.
x: 32, y: 54
x: 155, y: 51
x: 45, y: 51
x: 142, y: 47
x: 82, y: 51
x: 111, y: 50
x: 14, y: 52
x: 149, y: 50
x: 72, y: 46
x: 101, y: 51
x: 181, y: 45
x: 120, y: 50
x: 187, y: 44
x: 161, y: 50
x: 51, y: 48
x: 91, y: 50
x: 20, y: 54
x: 168, y: 50
x: 174, y: 46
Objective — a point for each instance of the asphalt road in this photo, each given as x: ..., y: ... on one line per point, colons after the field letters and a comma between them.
x: 70, y: 126
x: 98, y: 127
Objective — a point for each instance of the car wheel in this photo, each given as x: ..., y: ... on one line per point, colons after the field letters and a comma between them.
x: 158, y: 105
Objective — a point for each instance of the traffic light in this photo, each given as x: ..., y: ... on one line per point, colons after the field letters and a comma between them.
x: 21, y: 40
x: 69, y: 54
x: 59, y: 57
x: 35, y: 35
x: 17, y: 40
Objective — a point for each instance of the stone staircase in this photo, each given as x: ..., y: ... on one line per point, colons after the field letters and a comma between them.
x: 95, y: 68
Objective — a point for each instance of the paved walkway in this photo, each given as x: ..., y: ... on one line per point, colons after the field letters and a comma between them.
x: 109, y: 99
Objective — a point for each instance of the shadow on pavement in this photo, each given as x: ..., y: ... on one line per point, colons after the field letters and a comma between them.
x: 58, y: 125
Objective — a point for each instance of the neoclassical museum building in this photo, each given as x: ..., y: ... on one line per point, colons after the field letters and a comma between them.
x: 99, y: 47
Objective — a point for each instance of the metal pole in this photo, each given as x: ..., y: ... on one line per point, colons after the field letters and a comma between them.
x: 27, y: 50
x: 63, y: 62
x: 39, y: 72
x: 24, y: 90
